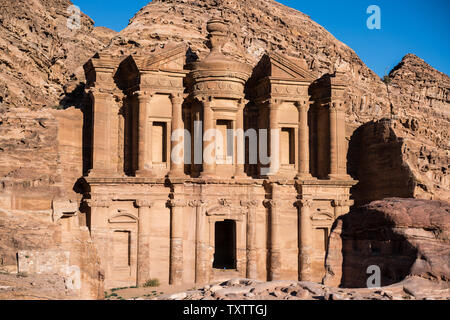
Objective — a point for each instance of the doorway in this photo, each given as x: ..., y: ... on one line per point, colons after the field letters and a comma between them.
x: 225, y: 245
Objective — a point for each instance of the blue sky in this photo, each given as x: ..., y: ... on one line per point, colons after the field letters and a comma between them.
x: 407, y: 26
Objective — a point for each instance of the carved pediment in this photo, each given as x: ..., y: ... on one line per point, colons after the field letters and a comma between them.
x: 123, y: 217
x: 322, y: 216
x: 278, y: 66
x: 168, y: 58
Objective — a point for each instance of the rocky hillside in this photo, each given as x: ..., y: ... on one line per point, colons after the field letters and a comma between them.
x: 403, y: 237
x: 40, y: 58
x: 421, y: 99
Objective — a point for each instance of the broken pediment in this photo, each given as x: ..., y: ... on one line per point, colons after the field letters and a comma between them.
x: 169, y: 58
x: 275, y: 65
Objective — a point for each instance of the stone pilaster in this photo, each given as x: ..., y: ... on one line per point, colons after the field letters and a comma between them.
x: 102, y: 157
x: 144, y: 136
x: 338, y: 150
x: 177, y: 167
x: 275, y: 241
x: 176, y: 240
x: 100, y: 233
x: 252, y: 267
x: 143, y: 258
x: 240, y: 143
x: 303, y: 141
x: 274, y: 128
x: 202, y: 270
x: 209, y: 167
x: 305, y: 240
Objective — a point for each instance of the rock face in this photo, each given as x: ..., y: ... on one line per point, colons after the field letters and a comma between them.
x: 40, y: 58
x: 407, y: 155
x: 404, y: 237
x: 33, y: 245
x: 40, y: 157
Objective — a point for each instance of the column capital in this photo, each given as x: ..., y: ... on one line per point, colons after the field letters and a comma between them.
x: 177, y: 98
x: 173, y: 203
x: 242, y: 103
x: 249, y: 203
x: 143, y: 95
x: 197, y: 203
x: 270, y: 204
x: 143, y: 203
x: 100, y: 93
x: 304, y: 203
x: 337, y: 105
x: 205, y: 99
x: 98, y: 203
x: 273, y: 103
x: 303, y: 105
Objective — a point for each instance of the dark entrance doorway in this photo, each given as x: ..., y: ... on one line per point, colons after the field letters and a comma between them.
x: 225, y: 245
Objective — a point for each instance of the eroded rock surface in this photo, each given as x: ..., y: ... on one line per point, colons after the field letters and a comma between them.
x: 40, y: 58
x: 403, y: 237
x: 33, y: 245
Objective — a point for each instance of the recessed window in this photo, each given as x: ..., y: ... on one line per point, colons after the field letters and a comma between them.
x: 287, y: 146
x: 224, y: 141
x: 159, y: 142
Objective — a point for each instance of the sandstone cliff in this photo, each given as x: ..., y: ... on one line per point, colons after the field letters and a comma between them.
x: 40, y: 58
x: 36, y: 246
x: 403, y: 237
x: 407, y: 155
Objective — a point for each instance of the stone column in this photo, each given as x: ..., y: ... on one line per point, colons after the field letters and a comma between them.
x: 144, y: 136
x: 209, y: 169
x: 252, y: 268
x: 240, y: 143
x: 176, y: 241
x: 274, y: 106
x: 338, y: 156
x: 100, y: 233
x: 303, y: 141
x: 143, y: 258
x: 101, y: 147
x: 305, y: 240
x: 201, y: 250
x: 177, y: 169
x: 275, y: 243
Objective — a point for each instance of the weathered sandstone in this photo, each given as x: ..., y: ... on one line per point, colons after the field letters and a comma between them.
x: 403, y: 237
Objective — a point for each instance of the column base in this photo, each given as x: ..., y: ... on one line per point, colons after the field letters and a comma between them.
x: 208, y: 176
x: 145, y: 174
x: 103, y: 173
x: 177, y: 175
x: 304, y: 176
x: 241, y: 177
x: 345, y: 177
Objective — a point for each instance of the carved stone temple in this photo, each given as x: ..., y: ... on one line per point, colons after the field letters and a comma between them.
x: 151, y: 216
